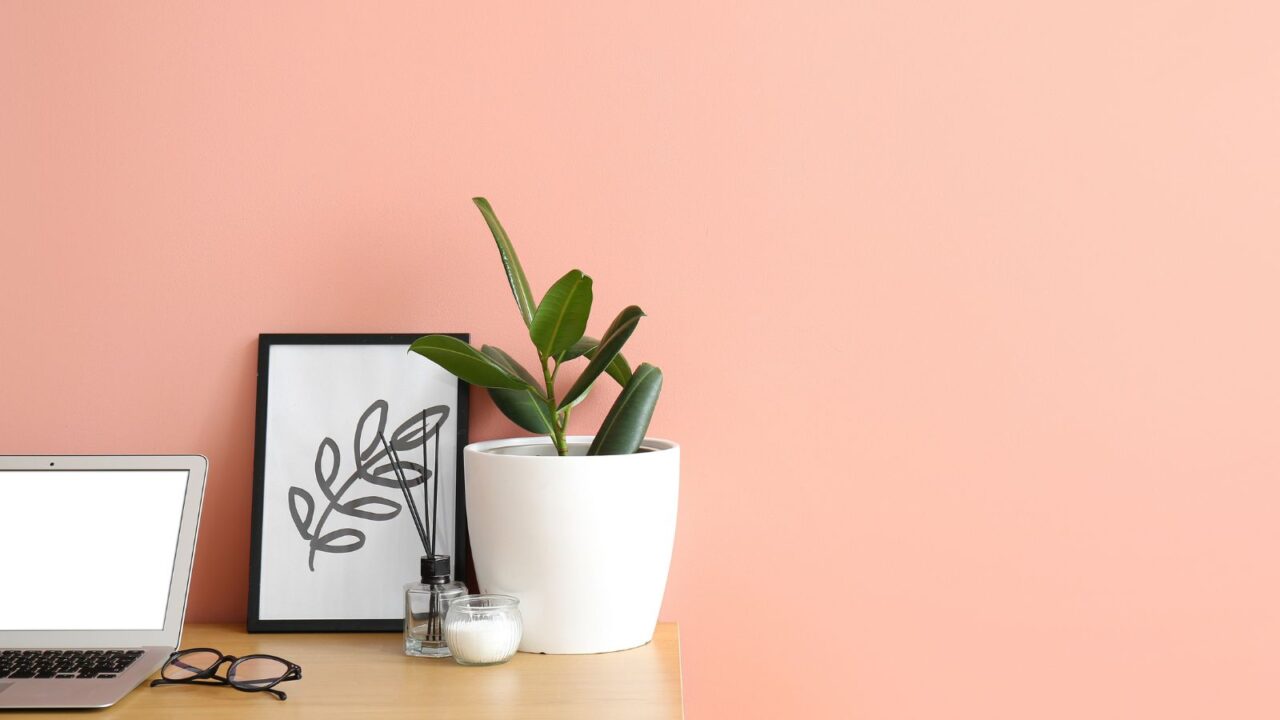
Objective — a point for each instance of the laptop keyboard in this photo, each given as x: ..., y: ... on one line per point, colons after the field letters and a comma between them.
x: 65, y: 664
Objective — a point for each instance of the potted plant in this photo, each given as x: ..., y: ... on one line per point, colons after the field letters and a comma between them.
x: 579, y: 528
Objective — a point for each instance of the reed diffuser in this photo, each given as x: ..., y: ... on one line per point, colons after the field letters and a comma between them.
x: 426, y: 602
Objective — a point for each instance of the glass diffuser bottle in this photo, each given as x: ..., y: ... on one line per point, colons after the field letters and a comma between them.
x: 425, y: 605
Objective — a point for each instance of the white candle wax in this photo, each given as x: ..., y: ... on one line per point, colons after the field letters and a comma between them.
x: 483, y: 640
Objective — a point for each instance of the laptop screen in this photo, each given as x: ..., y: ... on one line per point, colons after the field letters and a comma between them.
x: 88, y: 549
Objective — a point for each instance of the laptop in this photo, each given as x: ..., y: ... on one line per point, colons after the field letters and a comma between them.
x: 95, y: 560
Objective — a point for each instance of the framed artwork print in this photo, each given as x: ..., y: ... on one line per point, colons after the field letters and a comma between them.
x: 333, y: 543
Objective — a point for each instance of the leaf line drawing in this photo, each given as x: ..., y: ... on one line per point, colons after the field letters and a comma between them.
x: 412, y: 434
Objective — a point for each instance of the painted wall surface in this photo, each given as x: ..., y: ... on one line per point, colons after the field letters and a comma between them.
x: 968, y: 310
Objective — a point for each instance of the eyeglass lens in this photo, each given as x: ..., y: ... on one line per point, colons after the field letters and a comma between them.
x: 257, y: 671
x: 189, y: 664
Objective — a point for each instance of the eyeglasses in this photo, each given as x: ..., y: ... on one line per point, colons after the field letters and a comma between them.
x: 251, y: 673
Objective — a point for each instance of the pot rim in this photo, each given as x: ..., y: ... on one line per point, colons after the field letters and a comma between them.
x: 654, y: 445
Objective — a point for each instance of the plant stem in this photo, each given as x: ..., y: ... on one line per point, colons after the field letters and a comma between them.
x: 557, y: 424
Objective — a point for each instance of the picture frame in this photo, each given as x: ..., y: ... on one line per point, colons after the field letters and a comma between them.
x: 332, y: 542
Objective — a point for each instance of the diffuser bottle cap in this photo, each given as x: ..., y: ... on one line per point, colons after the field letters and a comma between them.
x: 435, y: 569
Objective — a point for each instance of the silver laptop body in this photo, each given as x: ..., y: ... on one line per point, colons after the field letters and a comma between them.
x: 95, y: 556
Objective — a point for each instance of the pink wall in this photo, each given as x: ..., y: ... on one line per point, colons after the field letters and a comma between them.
x: 967, y: 310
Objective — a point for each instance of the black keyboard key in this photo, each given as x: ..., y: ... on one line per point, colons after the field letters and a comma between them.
x: 18, y: 664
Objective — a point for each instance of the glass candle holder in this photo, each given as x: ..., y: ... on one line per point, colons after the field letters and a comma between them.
x: 483, y: 629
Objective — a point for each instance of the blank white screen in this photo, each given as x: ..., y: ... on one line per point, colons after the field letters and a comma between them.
x: 88, y: 549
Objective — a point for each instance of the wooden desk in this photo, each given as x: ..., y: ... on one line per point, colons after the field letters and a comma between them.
x: 369, y: 676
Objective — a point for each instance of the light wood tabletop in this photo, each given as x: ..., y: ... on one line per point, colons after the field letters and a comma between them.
x: 367, y: 675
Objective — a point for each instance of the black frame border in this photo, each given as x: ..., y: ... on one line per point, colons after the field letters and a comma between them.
x: 461, y: 537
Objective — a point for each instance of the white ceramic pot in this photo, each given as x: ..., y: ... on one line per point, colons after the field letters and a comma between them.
x: 583, y: 541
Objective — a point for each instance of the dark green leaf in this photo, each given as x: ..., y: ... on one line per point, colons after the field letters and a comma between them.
x: 580, y: 348
x: 510, y: 262
x: 524, y: 408
x: 561, y: 317
x: 628, y: 420
x: 610, y: 345
x: 618, y: 369
x: 577, y: 401
x: 500, y: 356
x: 465, y: 361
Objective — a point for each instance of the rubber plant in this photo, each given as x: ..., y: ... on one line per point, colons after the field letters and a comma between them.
x: 556, y: 326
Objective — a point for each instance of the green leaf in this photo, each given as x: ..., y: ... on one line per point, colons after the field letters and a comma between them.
x: 466, y: 362
x: 525, y: 408
x: 577, y: 401
x: 500, y: 356
x: 561, y: 317
x: 628, y: 420
x: 510, y: 262
x: 610, y: 345
x: 580, y: 348
x: 618, y: 369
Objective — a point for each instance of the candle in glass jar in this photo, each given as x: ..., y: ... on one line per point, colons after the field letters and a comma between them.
x: 483, y: 642
x: 483, y: 629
